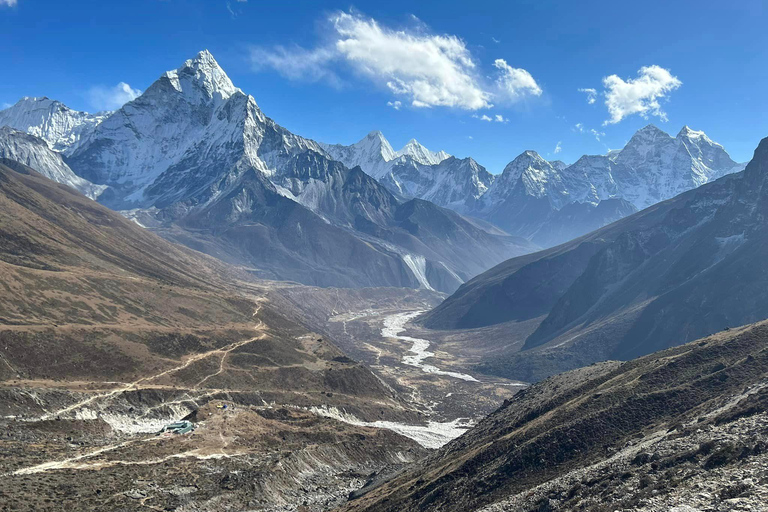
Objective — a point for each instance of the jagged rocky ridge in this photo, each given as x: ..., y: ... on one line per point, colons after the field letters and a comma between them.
x: 58, y: 125
x: 34, y: 152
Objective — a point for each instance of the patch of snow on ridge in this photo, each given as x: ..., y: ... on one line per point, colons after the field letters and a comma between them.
x: 395, y: 324
x: 418, y: 265
x: 432, y: 435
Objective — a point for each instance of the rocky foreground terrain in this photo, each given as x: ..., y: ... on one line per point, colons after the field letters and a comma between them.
x: 684, y: 429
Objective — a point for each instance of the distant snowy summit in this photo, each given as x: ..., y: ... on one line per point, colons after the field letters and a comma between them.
x: 415, y: 171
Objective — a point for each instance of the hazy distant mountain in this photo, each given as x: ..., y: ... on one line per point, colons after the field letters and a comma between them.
x: 547, y: 202
x: 526, y: 200
x: 34, y: 152
x: 532, y: 199
x: 416, y: 172
x: 375, y: 156
x: 681, y: 269
x: 452, y: 183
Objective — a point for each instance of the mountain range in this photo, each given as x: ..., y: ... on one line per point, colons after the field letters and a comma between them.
x: 548, y: 202
x: 196, y: 159
x: 681, y: 269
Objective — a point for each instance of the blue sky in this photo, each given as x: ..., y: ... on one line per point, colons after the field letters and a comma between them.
x: 334, y: 71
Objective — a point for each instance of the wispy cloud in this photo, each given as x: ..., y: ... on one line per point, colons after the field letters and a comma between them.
x: 591, y: 95
x: 111, y: 98
x: 498, y: 118
x: 559, y: 147
x: 424, y: 68
x: 231, y: 10
x: 395, y: 104
x: 639, y: 95
x: 580, y: 128
x: 9, y: 3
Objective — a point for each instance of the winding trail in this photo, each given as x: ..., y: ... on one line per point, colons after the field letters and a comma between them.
x: 395, y: 324
x: 223, y: 352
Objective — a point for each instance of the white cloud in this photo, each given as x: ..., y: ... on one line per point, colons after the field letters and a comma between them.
x: 470, y: 137
x: 483, y: 117
x: 515, y: 83
x: 9, y: 3
x: 559, y: 147
x: 432, y: 70
x: 639, y: 95
x: 597, y: 134
x: 579, y: 127
x: 426, y: 69
x: 111, y: 98
x: 497, y: 41
x: 591, y: 95
x: 395, y: 104
x: 500, y: 119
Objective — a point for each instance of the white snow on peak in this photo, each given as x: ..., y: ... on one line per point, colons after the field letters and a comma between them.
x: 651, y: 168
x: 375, y: 156
x: 190, y: 130
x: 62, y: 128
x: 421, y: 154
x: 202, y: 74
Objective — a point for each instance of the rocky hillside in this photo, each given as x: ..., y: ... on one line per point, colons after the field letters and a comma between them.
x: 682, y: 429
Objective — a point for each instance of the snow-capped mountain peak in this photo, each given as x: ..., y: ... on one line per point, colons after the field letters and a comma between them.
x: 421, y: 154
x: 375, y: 156
x: 36, y: 153
x: 61, y: 127
x: 191, y: 128
x: 202, y: 75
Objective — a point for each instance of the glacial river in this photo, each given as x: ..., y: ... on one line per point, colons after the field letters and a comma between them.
x: 395, y: 324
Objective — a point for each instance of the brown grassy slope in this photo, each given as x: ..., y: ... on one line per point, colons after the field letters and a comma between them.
x: 67, y: 259
x: 86, y: 295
